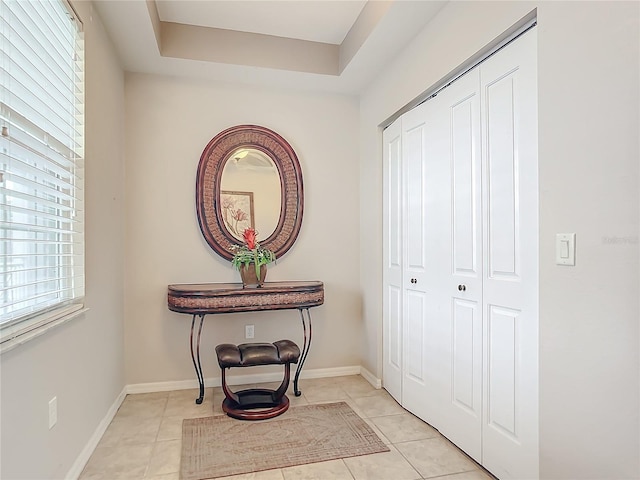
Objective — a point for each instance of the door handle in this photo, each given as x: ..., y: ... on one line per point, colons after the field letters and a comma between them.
x: 414, y: 280
x: 462, y: 288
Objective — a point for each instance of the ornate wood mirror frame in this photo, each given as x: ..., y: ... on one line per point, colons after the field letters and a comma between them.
x: 208, y: 205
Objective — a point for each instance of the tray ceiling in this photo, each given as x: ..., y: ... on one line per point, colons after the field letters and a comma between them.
x: 326, y: 45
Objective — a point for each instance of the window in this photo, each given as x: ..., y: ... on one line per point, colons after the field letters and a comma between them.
x: 41, y: 164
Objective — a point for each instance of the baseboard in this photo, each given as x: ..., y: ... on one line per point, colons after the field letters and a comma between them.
x: 371, y: 378
x: 163, y: 386
x: 331, y: 372
x: 77, y: 467
x: 243, y: 379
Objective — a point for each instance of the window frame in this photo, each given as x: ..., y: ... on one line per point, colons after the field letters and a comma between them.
x: 66, y: 302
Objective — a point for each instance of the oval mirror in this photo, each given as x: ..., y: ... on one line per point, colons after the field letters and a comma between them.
x: 249, y: 176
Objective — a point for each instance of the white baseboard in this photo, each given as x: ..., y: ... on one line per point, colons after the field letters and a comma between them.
x: 242, y: 379
x: 162, y: 386
x: 87, y: 451
x: 331, y: 372
x: 371, y: 378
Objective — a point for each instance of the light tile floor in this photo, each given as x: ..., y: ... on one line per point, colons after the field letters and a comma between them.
x: 143, y: 440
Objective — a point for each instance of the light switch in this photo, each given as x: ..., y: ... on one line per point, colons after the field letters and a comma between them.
x: 566, y: 249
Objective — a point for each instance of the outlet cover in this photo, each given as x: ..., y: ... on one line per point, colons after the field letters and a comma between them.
x: 249, y: 331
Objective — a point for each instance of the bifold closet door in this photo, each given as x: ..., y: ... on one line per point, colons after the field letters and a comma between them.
x: 461, y: 261
x: 510, y: 292
x: 410, y: 346
x: 484, y: 130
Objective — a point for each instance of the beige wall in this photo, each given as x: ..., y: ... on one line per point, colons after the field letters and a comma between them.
x: 169, y: 122
x: 588, y: 158
x: 82, y: 361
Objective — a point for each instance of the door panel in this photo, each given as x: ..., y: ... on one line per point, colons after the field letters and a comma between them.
x: 466, y: 316
x: 501, y: 175
x: 464, y: 118
x: 393, y: 333
x: 414, y: 148
x: 392, y: 261
x: 510, y: 162
x: 456, y: 136
x: 394, y: 209
x: 415, y: 347
x: 502, y: 384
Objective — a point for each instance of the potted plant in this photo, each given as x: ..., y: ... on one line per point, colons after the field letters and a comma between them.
x: 251, y: 259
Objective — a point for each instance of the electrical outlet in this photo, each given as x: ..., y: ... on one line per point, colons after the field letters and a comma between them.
x: 248, y: 331
x: 53, y: 412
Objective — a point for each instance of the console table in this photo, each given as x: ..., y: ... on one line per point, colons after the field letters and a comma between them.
x: 213, y: 298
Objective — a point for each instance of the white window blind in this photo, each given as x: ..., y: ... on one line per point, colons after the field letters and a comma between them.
x: 41, y: 161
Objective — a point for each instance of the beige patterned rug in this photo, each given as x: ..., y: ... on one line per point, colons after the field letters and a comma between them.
x: 219, y: 446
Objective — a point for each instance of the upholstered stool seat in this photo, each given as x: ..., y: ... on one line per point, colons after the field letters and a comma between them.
x: 270, y: 403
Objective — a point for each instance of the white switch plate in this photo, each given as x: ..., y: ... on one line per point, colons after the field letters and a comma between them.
x: 565, y: 249
x: 53, y: 412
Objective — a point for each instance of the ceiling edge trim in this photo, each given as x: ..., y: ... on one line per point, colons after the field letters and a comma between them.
x: 258, y: 50
x: 155, y: 22
x: 365, y: 24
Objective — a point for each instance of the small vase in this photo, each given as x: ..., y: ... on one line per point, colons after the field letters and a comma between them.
x: 249, y: 278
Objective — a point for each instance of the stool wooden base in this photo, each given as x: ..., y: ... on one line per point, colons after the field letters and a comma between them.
x: 255, y: 404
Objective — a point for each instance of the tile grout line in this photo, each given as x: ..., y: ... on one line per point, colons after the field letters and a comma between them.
x: 477, y: 467
x: 353, y: 476
x: 407, y: 460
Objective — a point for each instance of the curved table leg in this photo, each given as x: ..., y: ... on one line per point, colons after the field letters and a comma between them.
x: 305, y: 348
x: 196, y: 358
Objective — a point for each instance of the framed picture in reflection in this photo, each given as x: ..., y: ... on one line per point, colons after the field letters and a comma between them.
x: 237, y: 211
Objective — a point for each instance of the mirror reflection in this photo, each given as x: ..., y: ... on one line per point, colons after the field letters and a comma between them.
x: 250, y: 193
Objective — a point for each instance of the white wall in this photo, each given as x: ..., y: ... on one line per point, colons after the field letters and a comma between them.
x: 588, y: 158
x: 169, y: 123
x: 589, y: 133
x: 80, y: 362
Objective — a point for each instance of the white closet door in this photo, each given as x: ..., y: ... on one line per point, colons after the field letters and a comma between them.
x: 418, y: 369
x: 461, y: 261
x: 510, y: 164
x: 455, y: 134
x: 392, y: 260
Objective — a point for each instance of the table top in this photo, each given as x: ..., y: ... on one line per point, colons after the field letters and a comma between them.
x: 212, y: 298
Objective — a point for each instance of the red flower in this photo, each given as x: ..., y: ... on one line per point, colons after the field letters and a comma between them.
x: 249, y: 235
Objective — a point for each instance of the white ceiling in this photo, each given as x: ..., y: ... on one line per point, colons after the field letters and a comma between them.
x: 326, y: 45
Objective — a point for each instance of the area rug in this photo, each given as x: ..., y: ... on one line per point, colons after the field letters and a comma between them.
x: 219, y: 446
